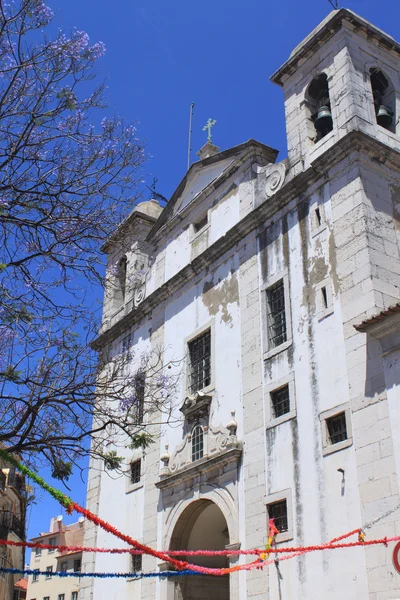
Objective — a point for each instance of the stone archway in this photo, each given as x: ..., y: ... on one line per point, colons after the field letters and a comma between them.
x: 201, y: 526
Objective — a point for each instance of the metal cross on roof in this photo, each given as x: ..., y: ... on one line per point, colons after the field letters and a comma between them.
x: 210, y: 123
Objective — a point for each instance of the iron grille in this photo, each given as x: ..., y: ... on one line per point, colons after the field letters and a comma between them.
x: 197, y: 443
x: 280, y: 401
x: 200, y: 362
x: 278, y: 512
x: 276, y: 314
x: 135, y: 471
x: 9, y: 522
x: 3, y: 479
x: 136, y: 563
x: 337, y: 429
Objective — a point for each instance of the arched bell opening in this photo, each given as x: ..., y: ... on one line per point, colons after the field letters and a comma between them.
x: 384, y: 99
x: 319, y: 105
x: 202, y: 526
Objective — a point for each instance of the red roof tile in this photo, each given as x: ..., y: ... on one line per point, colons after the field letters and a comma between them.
x: 22, y: 584
x: 376, y: 318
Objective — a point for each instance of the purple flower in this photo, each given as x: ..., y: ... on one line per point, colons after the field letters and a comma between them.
x: 42, y: 13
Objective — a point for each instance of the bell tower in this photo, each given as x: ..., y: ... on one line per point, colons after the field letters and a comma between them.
x: 344, y: 76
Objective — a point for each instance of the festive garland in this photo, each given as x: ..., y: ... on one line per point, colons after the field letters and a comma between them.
x: 184, y: 567
x: 99, y: 575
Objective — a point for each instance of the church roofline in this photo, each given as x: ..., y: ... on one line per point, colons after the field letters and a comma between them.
x: 323, y: 32
x: 269, y: 153
x: 354, y: 141
x: 378, y: 318
x: 136, y: 213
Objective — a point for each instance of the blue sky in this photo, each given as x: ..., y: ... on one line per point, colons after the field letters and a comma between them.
x: 161, y: 56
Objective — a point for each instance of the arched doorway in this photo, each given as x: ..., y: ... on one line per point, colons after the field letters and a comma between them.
x: 201, y: 526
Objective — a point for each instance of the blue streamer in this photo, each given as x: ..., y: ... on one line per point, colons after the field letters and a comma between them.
x: 99, y: 575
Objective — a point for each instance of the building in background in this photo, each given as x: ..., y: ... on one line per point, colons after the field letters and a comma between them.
x: 272, y: 290
x: 46, y: 587
x: 12, y: 526
x: 20, y: 589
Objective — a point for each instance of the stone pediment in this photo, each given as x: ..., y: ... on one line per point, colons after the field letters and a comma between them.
x: 196, y: 406
x: 199, y: 180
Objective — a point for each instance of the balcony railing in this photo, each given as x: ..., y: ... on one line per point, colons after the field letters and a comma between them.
x: 9, y: 522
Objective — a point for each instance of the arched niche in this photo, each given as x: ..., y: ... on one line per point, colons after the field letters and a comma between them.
x: 318, y: 104
x: 384, y: 97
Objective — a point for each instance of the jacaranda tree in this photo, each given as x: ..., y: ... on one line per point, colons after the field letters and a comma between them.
x: 68, y: 175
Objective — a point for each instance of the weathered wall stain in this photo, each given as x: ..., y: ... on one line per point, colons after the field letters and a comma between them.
x: 395, y: 189
x: 216, y: 297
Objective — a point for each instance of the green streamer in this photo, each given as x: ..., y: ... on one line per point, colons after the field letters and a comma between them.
x: 57, y: 495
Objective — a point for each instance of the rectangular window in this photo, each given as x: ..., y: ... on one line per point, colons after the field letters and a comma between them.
x: 74, y: 596
x: 136, y: 563
x: 77, y: 564
x: 276, y: 316
x: 46, y: 597
x: 38, y: 551
x: 200, y: 224
x: 337, y: 430
x: 61, y: 596
x: 49, y: 571
x: 64, y: 566
x: 278, y: 512
x: 280, y: 401
x: 200, y: 362
x: 136, y: 467
x: 52, y: 542
x: 35, y: 577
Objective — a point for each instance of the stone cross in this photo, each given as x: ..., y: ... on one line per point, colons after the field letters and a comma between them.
x: 210, y: 123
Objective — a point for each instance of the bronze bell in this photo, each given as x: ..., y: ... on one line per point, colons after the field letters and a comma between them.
x: 323, y: 121
x: 384, y: 116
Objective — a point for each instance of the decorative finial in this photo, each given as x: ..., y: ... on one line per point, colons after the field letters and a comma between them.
x: 210, y: 123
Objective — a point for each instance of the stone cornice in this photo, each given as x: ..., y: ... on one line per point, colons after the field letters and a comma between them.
x: 323, y: 32
x: 231, y: 455
x: 354, y: 141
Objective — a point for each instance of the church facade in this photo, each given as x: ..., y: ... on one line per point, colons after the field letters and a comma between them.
x: 271, y: 290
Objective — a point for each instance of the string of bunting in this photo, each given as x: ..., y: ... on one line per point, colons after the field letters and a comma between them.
x: 184, y: 568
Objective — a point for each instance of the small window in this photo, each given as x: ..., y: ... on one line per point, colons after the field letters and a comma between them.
x: 276, y: 315
x: 77, y: 564
x: 64, y: 567
x: 46, y: 597
x: 324, y: 297
x: 200, y: 224
x: 337, y: 429
x: 61, y: 596
x: 318, y: 216
x: 49, y: 571
x: 280, y: 401
x: 278, y: 512
x: 136, y: 467
x: 35, y: 577
x: 52, y: 542
x: 38, y: 551
x: 197, y: 443
x: 200, y: 362
x: 74, y: 596
x: 136, y: 563
x: 122, y: 269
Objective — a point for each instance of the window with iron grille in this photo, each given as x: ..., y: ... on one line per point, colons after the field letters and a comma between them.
x: 197, y: 443
x: 49, y: 571
x: 136, y: 563
x: 276, y: 316
x: 278, y: 512
x: 337, y: 430
x: 280, y: 401
x: 136, y: 467
x: 200, y: 362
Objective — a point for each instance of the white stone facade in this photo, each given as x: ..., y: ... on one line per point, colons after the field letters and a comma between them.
x: 324, y: 228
